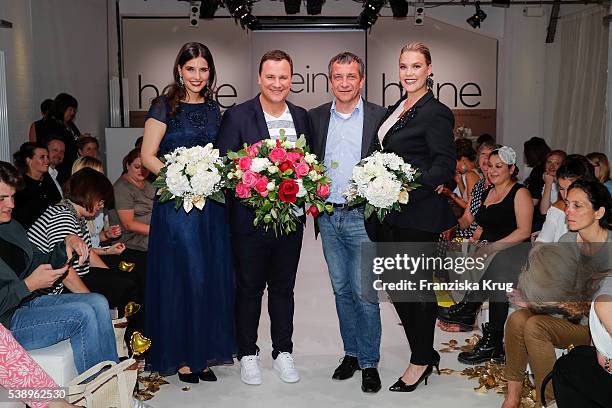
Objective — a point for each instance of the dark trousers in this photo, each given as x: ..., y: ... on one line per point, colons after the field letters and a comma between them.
x: 263, y: 259
x: 505, y: 267
x: 418, y: 317
x: 579, y: 380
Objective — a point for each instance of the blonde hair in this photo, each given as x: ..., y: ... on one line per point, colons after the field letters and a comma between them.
x: 418, y: 47
x: 86, y: 161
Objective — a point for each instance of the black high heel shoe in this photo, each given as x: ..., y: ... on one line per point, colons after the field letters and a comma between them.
x: 191, y: 378
x: 401, y: 386
x: 207, y: 375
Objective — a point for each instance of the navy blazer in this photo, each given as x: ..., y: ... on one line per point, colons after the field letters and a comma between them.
x: 246, y: 123
x: 423, y: 137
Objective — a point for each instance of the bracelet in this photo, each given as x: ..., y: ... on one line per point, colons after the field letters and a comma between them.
x: 607, y: 367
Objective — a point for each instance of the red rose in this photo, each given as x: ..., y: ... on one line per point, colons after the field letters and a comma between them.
x: 286, y: 165
x: 287, y: 191
x: 313, y: 210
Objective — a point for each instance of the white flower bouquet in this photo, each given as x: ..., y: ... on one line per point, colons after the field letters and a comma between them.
x: 382, y: 181
x: 190, y: 176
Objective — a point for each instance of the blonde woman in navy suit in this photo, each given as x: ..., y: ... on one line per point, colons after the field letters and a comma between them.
x: 418, y: 128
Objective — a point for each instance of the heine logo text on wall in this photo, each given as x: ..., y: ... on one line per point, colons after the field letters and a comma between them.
x: 222, y: 92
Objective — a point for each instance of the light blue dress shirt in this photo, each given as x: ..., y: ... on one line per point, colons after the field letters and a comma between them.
x: 343, y: 148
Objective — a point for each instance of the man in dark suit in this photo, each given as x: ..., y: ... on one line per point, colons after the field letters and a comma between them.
x: 260, y: 257
x: 342, y: 131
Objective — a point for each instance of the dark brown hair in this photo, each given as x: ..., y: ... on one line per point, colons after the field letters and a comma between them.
x: 129, y: 158
x: 84, y: 140
x: 9, y: 175
x: 175, y: 92
x: 87, y: 186
x: 276, y: 55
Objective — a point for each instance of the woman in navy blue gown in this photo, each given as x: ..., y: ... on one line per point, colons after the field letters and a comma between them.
x: 190, y: 286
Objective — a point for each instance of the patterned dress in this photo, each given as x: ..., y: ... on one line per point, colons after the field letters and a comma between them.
x: 477, y: 192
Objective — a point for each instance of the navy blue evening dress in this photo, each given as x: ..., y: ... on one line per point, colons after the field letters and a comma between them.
x: 190, y: 276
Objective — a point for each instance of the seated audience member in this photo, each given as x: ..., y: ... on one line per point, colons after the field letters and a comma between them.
x: 39, y: 321
x: 95, y: 225
x: 550, y: 192
x: 535, y: 151
x: 504, y: 221
x: 134, y: 196
x: 39, y: 191
x: 533, y: 332
x: 484, y: 138
x: 466, y: 174
x: 19, y: 370
x: 56, y: 149
x: 88, y: 146
x: 575, y: 167
x: 86, y: 193
x: 583, y: 377
x: 602, y: 168
x: 35, y: 127
x: 60, y: 123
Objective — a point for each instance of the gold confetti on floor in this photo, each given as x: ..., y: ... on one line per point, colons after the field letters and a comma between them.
x: 148, y: 385
x: 490, y: 375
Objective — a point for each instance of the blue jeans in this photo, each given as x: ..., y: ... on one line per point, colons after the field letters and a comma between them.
x: 343, y: 233
x: 84, y: 318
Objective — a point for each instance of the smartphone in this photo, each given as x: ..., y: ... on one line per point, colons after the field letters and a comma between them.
x: 74, y: 258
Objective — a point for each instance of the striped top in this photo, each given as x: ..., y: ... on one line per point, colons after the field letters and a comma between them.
x: 52, y: 227
x: 285, y: 122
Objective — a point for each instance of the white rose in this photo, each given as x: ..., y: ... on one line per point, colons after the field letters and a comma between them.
x: 310, y: 158
x: 258, y: 164
x: 239, y: 173
x: 302, y: 191
x: 272, y: 169
x: 271, y: 143
x: 314, y: 176
x: 271, y: 186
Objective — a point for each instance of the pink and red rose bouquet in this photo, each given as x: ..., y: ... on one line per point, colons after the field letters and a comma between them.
x: 278, y: 178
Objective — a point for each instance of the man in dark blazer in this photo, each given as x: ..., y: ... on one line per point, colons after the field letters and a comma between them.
x: 260, y: 257
x: 342, y: 131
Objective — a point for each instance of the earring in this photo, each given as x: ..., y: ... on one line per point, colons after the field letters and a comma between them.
x: 181, y: 82
x: 430, y: 81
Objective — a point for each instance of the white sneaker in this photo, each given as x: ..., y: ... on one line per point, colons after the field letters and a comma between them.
x: 249, y: 370
x: 285, y: 368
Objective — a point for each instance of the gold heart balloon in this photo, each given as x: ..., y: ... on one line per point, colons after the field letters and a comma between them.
x: 139, y: 343
x: 131, y: 309
x: 126, y: 266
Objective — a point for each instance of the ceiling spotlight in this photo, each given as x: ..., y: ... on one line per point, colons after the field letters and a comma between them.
x: 209, y: 8
x: 241, y: 10
x: 314, y: 7
x: 369, y: 15
x: 292, y: 6
x: 399, y: 8
x: 478, y: 17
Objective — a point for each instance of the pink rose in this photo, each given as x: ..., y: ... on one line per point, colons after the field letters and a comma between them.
x: 262, y: 186
x: 252, y: 150
x: 293, y: 157
x: 313, y: 210
x: 301, y: 169
x: 250, y: 178
x: 242, y: 191
x: 244, y: 163
x: 323, y: 190
x: 278, y: 154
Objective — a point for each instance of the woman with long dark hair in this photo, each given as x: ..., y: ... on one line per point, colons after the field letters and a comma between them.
x: 419, y: 129
x: 190, y: 289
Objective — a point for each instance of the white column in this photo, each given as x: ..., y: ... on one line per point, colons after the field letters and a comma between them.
x: 5, y: 143
x: 608, y: 134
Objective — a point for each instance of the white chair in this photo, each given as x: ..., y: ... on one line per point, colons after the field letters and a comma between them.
x: 57, y: 360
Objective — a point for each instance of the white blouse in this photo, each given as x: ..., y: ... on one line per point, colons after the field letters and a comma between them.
x: 553, y: 227
x: 391, y: 120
